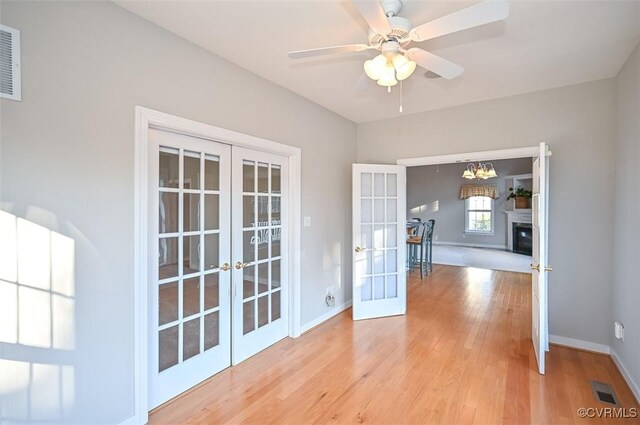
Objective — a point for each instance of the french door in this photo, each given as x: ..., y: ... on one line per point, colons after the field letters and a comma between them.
x: 379, y: 241
x: 203, y: 315
x: 540, y: 258
x: 260, y: 307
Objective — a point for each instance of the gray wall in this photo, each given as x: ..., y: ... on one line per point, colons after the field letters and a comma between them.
x: 434, y: 192
x: 626, y: 284
x: 578, y: 122
x: 67, y: 163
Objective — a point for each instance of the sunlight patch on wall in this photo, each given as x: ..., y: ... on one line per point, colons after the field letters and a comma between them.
x: 424, y: 208
x: 419, y: 209
x: 36, y: 283
x: 37, y: 318
x: 35, y: 391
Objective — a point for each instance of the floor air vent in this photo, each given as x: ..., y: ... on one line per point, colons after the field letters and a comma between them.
x: 603, y: 393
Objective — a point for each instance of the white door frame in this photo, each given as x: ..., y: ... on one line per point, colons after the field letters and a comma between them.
x: 144, y: 120
x: 512, y: 153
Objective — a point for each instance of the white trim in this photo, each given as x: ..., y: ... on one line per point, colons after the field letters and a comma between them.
x: 145, y: 119
x: 635, y: 388
x: 579, y: 344
x: 135, y: 420
x: 494, y: 155
x: 328, y: 315
x: 472, y: 245
x: 140, y: 260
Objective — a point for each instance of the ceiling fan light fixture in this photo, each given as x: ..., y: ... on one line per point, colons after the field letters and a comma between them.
x: 404, y: 67
x: 388, y: 76
x: 375, y: 67
x: 387, y: 82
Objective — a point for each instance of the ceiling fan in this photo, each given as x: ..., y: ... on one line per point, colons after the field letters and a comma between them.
x: 390, y: 34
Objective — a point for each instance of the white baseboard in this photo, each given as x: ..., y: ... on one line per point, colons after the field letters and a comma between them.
x: 471, y: 245
x: 579, y: 344
x: 635, y: 388
x: 328, y: 315
x: 135, y: 420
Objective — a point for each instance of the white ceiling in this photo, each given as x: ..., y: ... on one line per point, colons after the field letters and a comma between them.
x: 543, y: 44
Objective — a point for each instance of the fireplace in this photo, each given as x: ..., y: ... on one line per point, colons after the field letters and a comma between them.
x: 522, y: 238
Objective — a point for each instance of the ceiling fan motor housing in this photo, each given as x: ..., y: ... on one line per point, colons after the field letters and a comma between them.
x: 400, y: 28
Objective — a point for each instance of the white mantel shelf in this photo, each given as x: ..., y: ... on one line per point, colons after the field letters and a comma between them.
x: 517, y: 216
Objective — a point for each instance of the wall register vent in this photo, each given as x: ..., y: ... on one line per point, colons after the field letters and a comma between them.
x: 10, y: 82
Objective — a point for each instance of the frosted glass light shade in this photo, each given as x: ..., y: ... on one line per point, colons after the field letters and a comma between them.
x: 403, y: 66
x: 375, y: 67
x: 388, y: 76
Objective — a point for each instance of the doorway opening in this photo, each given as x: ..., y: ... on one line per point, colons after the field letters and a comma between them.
x: 480, y: 217
x: 476, y: 221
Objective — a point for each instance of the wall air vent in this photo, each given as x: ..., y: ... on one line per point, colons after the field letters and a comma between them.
x: 10, y: 85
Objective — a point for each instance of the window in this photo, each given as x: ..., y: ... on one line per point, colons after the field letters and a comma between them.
x: 478, y: 215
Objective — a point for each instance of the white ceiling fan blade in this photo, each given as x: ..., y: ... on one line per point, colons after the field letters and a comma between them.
x: 373, y: 13
x: 435, y: 64
x: 348, y: 48
x: 483, y: 13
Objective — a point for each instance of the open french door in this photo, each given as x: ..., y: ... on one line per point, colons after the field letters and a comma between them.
x: 540, y: 265
x: 379, y: 241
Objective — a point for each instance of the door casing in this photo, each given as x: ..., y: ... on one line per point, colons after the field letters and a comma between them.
x: 144, y: 120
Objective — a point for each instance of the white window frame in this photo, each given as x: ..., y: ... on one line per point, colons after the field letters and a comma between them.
x: 467, y: 210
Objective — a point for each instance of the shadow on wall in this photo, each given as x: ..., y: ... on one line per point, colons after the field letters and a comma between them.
x: 37, y: 322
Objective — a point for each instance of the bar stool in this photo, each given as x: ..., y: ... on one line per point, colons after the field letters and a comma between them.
x: 419, y: 243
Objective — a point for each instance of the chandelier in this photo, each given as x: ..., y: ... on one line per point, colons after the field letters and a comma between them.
x: 480, y: 171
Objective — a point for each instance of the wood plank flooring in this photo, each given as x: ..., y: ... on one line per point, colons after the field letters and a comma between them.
x: 461, y: 355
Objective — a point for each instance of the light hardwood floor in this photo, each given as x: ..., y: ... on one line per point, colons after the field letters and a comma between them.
x: 461, y: 355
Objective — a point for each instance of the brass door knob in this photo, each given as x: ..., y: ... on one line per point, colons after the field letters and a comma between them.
x: 358, y: 249
x: 241, y: 265
x: 225, y: 267
x: 537, y: 267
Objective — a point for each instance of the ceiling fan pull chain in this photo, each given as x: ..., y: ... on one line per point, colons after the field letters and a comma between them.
x: 401, y: 96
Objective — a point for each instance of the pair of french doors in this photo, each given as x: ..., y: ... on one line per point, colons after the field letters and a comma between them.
x: 218, y: 286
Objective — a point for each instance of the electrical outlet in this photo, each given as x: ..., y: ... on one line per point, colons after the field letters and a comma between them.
x: 330, y: 299
x: 307, y: 222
